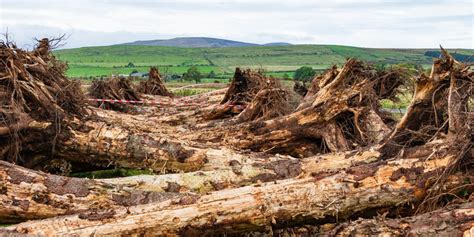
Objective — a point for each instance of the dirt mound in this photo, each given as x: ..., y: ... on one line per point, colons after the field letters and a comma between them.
x: 154, y: 85
x: 116, y: 89
x: 34, y: 94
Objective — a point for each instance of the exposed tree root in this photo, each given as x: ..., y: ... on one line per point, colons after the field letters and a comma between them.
x: 243, y: 89
x: 154, y: 85
x: 340, y: 112
x: 35, y: 96
x: 113, y: 88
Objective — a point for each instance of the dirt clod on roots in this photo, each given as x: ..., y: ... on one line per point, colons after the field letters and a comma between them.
x: 116, y: 89
x: 154, y: 85
x: 35, y: 95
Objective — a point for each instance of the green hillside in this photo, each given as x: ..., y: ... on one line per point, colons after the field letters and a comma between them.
x: 97, y: 61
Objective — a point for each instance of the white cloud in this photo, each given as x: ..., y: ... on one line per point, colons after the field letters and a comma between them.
x: 368, y: 23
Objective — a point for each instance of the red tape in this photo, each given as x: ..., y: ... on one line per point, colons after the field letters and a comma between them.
x: 167, y: 103
x: 149, y: 102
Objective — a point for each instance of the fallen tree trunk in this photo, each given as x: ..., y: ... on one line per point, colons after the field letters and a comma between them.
x: 26, y: 194
x: 455, y: 220
x: 56, y: 195
x: 115, y: 143
x: 236, y: 170
x: 309, y: 198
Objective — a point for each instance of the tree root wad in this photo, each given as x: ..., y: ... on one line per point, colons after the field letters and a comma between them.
x: 340, y: 112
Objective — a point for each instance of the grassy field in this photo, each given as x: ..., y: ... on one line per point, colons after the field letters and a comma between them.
x: 275, y: 60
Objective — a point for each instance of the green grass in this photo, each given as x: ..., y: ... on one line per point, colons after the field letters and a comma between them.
x: 275, y: 60
x: 89, y: 70
x: 191, y: 91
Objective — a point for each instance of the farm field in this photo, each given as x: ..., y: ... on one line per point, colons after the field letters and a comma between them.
x: 275, y: 60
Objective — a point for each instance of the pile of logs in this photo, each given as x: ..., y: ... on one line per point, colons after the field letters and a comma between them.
x: 334, y: 164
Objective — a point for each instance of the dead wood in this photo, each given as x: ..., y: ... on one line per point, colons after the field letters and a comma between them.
x: 229, y: 170
x: 34, y: 90
x: 257, y: 207
x: 244, y: 87
x: 340, y: 112
x: 268, y: 104
x: 26, y: 194
x: 371, y: 169
x: 439, y: 106
x: 114, y: 88
x: 154, y: 85
x: 455, y: 220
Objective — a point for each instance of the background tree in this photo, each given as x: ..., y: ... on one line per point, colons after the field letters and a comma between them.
x: 304, y: 73
x: 286, y: 76
x: 192, y: 74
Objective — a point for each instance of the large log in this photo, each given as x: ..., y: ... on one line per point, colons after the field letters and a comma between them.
x: 455, y: 220
x: 236, y: 170
x: 307, y: 198
x: 21, y: 201
x: 26, y: 194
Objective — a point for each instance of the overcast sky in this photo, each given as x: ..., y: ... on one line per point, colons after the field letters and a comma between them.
x: 367, y: 23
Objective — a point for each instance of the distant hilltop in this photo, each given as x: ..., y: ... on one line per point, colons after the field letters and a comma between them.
x: 200, y: 42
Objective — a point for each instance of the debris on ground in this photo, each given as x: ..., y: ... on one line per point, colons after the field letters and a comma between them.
x: 264, y: 161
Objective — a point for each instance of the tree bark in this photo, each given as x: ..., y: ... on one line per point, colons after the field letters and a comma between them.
x: 256, y: 207
x: 26, y: 194
x: 455, y: 220
x: 56, y: 195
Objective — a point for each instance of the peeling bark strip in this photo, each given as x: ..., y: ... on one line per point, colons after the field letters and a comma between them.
x: 26, y: 194
x: 253, y: 207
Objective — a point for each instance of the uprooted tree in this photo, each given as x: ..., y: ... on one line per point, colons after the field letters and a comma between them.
x: 154, y: 85
x: 340, y: 112
x: 115, y: 88
x: 367, y: 163
x: 35, y: 98
x: 254, y: 96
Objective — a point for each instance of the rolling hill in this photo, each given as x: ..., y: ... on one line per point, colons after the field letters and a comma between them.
x: 199, y: 42
x: 277, y: 60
